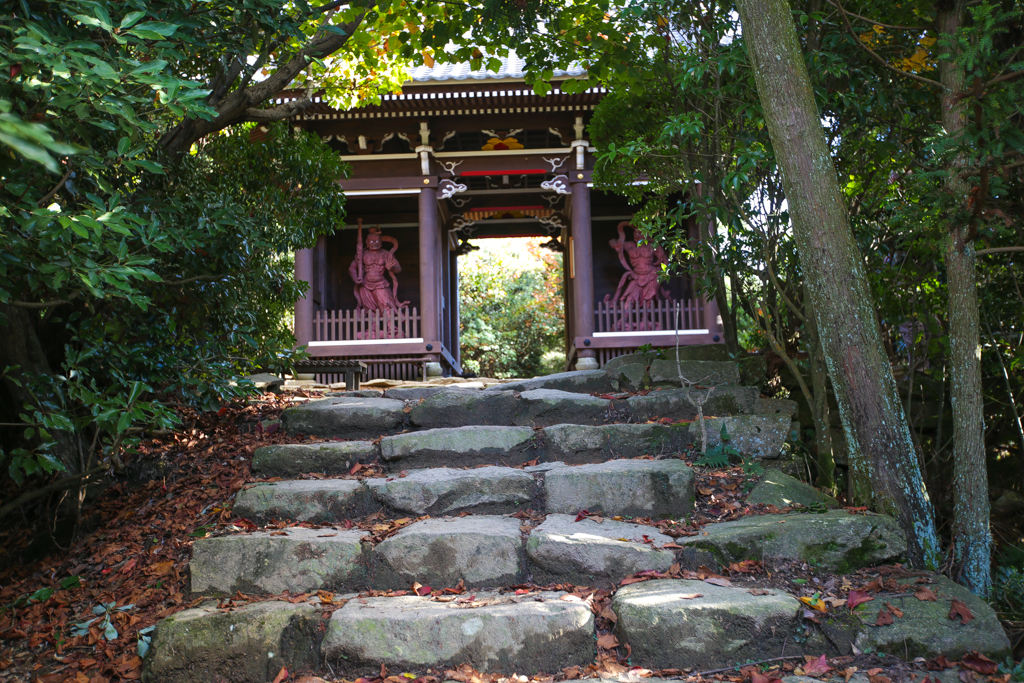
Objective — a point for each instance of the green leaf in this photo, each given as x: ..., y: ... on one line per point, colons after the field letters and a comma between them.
x: 158, y: 27
x: 130, y: 19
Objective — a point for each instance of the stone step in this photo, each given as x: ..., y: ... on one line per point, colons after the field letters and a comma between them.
x: 360, y: 418
x: 564, y: 550
x: 478, y: 550
x: 666, y: 624
x: 328, y: 457
x: 834, y: 541
x: 682, y: 624
x: 630, y: 488
x: 495, y: 632
x: 578, y: 381
x: 247, y: 644
x: 296, y: 559
x: 444, y: 491
x: 462, y: 446
x: 319, y: 501
x: 648, y: 488
x: 760, y: 436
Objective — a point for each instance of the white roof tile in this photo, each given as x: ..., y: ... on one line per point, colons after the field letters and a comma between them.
x: 511, y: 67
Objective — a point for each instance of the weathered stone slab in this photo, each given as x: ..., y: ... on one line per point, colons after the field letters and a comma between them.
x: 444, y: 491
x: 666, y: 626
x: 459, y: 446
x: 758, y: 436
x: 567, y: 550
x: 545, y: 407
x: 835, y: 541
x: 340, y: 391
x: 686, y: 352
x: 462, y: 407
x: 320, y: 501
x: 247, y: 644
x: 782, y: 490
x: 481, y: 550
x: 630, y: 377
x: 300, y: 561
x: 578, y: 444
x: 925, y: 629
x: 329, y: 457
x: 347, y: 418
x: 577, y: 381
x: 413, y: 393
x: 774, y: 406
x: 702, y: 372
x: 633, y: 488
x: 504, y: 634
x: 727, y: 399
x: 264, y: 381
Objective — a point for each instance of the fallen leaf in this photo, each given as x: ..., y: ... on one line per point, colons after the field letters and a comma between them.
x: 758, y: 591
x: 582, y: 515
x: 815, y: 603
x: 960, y: 609
x: 975, y: 661
x: 884, y: 617
x: 816, y: 666
x: 607, y: 641
x: 726, y: 583
x: 572, y: 672
x: 856, y: 598
x: 897, y: 612
x: 704, y: 492
x: 848, y: 672
x: 925, y: 593
x: 281, y: 675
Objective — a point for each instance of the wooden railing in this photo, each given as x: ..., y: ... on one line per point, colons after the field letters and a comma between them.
x: 361, y: 323
x: 650, y: 316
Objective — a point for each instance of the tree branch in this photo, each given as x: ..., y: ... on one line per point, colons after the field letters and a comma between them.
x: 878, y: 23
x: 997, y: 250
x: 875, y: 56
x: 278, y: 113
x: 42, y: 202
x: 1004, y: 77
x: 59, y: 485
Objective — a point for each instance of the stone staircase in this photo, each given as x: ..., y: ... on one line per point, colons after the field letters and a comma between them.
x: 494, y: 494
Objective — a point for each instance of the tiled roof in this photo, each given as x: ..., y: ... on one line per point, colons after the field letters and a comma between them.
x: 511, y: 68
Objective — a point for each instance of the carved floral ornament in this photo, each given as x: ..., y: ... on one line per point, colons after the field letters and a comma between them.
x: 559, y: 184
x: 446, y: 189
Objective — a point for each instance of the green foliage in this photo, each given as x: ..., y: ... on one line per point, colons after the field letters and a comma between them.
x: 720, y: 454
x: 126, y: 281
x: 511, y: 316
x: 104, y: 611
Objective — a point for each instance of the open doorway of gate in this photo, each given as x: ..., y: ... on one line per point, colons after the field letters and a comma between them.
x: 512, y: 308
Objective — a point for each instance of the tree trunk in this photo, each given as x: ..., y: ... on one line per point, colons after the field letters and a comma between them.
x: 819, y: 407
x: 873, y: 419
x: 972, y: 538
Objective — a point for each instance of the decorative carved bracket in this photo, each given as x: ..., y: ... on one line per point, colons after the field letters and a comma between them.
x: 450, y: 165
x: 556, y: 163
x: 447, y: 188
x: 461, y: 224
x: 552, y: 224
x: 559, y: 184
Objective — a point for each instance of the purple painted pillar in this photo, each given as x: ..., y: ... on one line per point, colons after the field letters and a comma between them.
x: 304, y: 306
x: 583, y: 271
x: 430, y: 267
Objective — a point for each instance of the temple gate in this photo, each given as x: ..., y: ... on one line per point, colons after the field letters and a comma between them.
x: 463, y: 154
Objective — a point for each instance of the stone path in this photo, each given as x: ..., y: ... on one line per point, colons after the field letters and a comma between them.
x: 461, y: 468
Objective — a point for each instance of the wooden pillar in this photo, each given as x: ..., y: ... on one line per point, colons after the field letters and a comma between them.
x: 304, y: 307
x: 453, y: 305
x: 430, y: 267
x: 582, y: 269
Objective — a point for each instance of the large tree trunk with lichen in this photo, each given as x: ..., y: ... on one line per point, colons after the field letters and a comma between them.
x: 971, y: 535
x: 824, y: 458
x: 876, y: 427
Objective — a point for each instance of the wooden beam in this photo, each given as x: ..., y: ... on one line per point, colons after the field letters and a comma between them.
x: 430, y: 252
x: 383, y: 347
x: 655, y: 339
x: 582, y: 265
